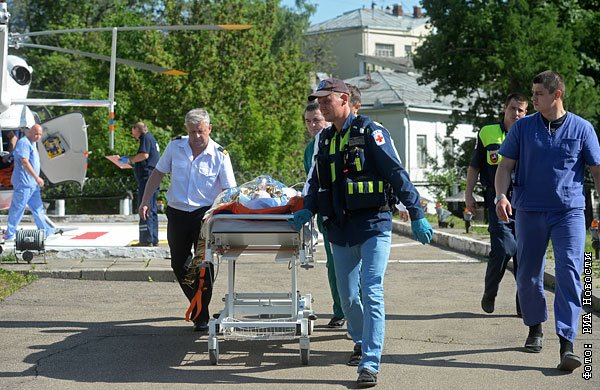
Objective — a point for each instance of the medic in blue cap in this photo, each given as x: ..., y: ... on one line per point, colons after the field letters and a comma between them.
x: 356, y: 179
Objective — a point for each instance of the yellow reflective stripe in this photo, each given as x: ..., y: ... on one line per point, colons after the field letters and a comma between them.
x: 361, y: 188
x: 380, y: 186
x: 370, y: 187
x: 331, y: 153
x: 358, y: 165
x: 350, y: 188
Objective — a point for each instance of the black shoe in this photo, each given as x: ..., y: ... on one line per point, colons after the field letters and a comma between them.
x: 487, y: 303
x: 569, y: 361
x: 142, y: 244
x: 534, y: 343
x: 336, y: 322
x: 356, y: 356
x: 366, y: 379
x: 201, y: 327
x: 518, y: 306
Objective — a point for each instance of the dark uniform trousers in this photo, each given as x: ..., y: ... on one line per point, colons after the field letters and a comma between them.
x: 503, y: 247
x: 183, y: 231
x: 149, y: 227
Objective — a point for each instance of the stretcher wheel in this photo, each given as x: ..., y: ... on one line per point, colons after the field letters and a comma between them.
x: 28, y: 256
x: 304, y: 356
x: 213, y: 356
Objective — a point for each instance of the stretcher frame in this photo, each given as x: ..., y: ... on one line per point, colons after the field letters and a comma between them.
x: 273, y: 316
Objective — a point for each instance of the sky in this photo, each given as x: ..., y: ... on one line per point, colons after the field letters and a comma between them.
x: 328, y: 9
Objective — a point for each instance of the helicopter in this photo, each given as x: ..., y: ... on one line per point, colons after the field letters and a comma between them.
x: 63, y: 147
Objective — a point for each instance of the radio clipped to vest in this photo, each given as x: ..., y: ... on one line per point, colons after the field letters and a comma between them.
x: 362, y: 189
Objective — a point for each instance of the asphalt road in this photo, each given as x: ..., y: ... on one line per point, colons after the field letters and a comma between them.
x: 88, y: 334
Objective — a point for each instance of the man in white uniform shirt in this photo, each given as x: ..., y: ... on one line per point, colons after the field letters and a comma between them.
x: 200, y: 169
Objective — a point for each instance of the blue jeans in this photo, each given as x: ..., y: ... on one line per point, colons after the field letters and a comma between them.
x: 23, y: 197
x: 360, y: 269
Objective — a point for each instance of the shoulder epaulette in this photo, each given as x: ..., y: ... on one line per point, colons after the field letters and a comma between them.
x: 223, y: 150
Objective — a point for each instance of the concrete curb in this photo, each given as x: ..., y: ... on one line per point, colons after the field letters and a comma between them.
x: 474, y: 248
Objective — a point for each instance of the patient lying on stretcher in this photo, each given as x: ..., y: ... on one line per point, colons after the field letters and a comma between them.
x: 263, y: 195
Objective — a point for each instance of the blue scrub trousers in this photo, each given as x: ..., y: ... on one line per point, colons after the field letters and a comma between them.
x: 360, y: 270
x: 148, y: 228
x: 27, y: 197
x: 566, y: 229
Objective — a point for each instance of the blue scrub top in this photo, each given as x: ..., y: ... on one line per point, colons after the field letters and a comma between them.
x: 20, y: 177
x: 549, y: 173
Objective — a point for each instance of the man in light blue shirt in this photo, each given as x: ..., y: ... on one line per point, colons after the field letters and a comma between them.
x: 26, y: 184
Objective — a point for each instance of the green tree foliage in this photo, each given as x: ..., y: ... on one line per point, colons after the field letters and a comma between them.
x: 253, y: 83
x: 485, y: 49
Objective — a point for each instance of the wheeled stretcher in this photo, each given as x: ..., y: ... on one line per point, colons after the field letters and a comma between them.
x: 256, y: 315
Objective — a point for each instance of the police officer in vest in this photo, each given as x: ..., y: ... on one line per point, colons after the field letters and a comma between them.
x: 356, y: 169
x: 484, y: 163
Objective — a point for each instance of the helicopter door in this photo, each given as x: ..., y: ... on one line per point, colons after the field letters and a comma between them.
x: 63, y: 148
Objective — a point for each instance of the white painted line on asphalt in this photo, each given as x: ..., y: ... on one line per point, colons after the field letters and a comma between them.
x: 436, y: 261
x: 431, y: 261
x: 414, y: 243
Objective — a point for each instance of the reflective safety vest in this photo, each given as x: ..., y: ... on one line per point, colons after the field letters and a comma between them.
x: 362, y: 188
x: 491, y: 137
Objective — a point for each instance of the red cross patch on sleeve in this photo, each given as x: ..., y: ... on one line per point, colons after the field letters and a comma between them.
x: 378, y: 137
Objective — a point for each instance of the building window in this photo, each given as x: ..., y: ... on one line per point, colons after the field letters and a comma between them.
x: 421, y: 151
x: 408, y: 50
x: 384, y: 50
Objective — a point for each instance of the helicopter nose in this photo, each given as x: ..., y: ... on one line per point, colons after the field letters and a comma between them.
x: 21, y: 75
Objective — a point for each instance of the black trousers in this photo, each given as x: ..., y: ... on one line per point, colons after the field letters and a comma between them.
x: 183, y: 231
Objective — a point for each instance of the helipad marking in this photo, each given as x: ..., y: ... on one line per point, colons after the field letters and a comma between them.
x: 89, y: 236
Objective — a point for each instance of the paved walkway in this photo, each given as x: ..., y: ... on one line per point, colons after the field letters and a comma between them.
x: 89, y: 326
x: 97, y: 247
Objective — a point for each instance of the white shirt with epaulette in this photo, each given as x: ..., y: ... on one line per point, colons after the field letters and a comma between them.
x: 195, y: 183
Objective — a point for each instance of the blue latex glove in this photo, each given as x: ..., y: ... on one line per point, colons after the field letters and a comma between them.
x: 300, y: 218
x: 422, y: 230
x: 124, y: 160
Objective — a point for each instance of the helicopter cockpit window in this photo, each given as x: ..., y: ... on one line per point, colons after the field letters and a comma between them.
x: 21, y: 74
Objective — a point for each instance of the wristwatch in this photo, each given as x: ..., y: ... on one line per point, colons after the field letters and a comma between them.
x: 498, y: 198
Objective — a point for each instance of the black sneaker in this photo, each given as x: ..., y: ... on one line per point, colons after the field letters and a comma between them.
x: 201, y: 327
x: 142, y: 244
x: 534, y: 343
x: 569, y: 361
x: 487, y: 303
x: 336, y: 322
x: 356, y: 356
x: 366, y: 379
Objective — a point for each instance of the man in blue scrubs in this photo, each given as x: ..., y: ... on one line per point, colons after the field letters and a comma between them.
x: 548, y: 151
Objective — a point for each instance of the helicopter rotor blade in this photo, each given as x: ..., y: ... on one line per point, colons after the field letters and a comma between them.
x: 135, y: 64
x: 211, y: 27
